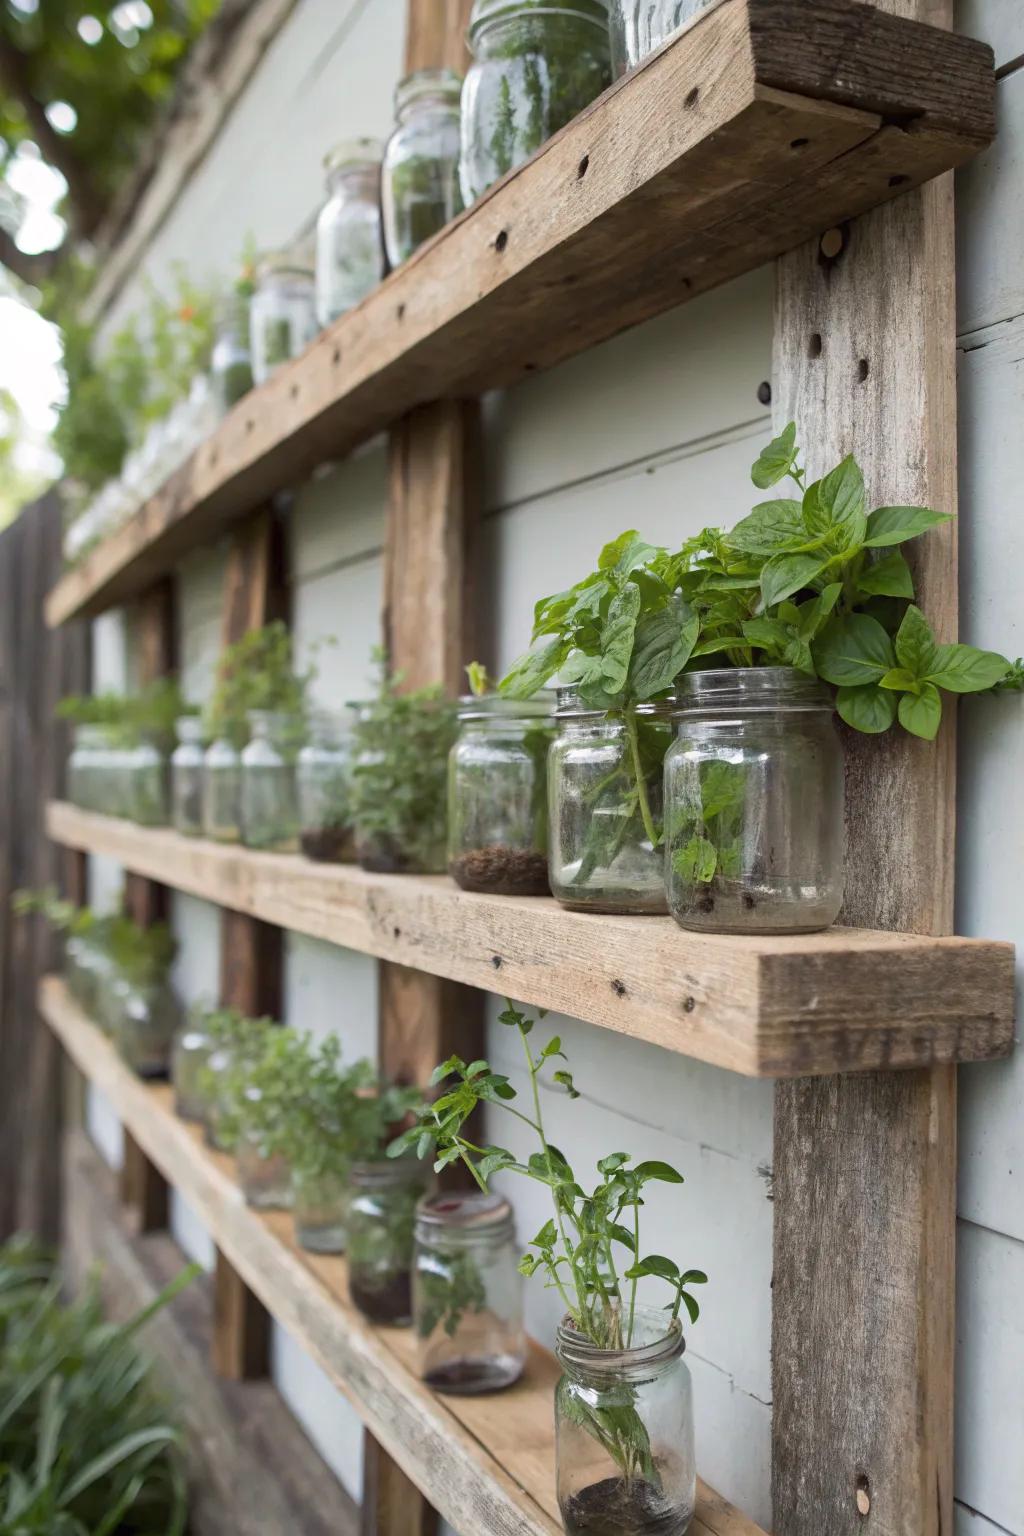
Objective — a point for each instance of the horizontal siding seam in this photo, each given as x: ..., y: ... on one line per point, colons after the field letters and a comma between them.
x: 981, y: 1226
x: 978, y: 1514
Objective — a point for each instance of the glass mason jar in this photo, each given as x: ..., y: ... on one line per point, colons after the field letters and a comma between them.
x: 218, y: 1064
x: 467, y: 1293
x: 89, y: 968
x: 604, y: 1485
x: 187, y: 777
x: 498, y: 796
x: 324, y: 781
x: 264, y: 1175
x: 536, y: 64
x: 149, y: 1017
x: 270, y: 813
x: 148, y: 779
x: 381, y: 1223
x: 282, y: 314
x: 399, y: 768
x: 420, y: 183
x: 754, y: 803
x: 605, y: 821
x: 318, y: 1210
x: 640, y: 26
x: 190, y: 1054
x: 222, y: 791
x: 231, y: 361
x: 349, y: 239
x: 81, y: 771
x: 111, y: 776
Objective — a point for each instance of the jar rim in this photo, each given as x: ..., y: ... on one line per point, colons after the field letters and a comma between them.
x: 577, y: 1352
x: 385, y: 1172
x: 712, y: 690
x: 281, y: 264
x: 485, y: 12
x: 352, y: 153
x: 570, y: 706
x: 491, y: 706
x: 421, y: 83
x: 463, y: 1213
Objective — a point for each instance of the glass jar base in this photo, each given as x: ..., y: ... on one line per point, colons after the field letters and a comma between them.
x: 635, y: 904
x: 468, y: 1376
x: 325, y: 1239
x: 499, y: 870
x: 768, y: 910
x: 268, y: 1199
x: 389, y: 1302
x: 193, y: 1110
x: 619, y: 1506
x: 329, y: 845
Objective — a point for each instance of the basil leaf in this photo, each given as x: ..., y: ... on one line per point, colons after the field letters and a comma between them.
x: 920, y: 713
x: 886, y: 578
x: 895, y: 525
x: 662, y: 646
x: 852, y: 650
x: 533, y: 670
x: 963, y: 669
x: 696, y: 861
x: 767, y: 634
x: 774, y: 462
x: 915, y: 645
x: 869, y: 709
x: 812, y: 614
x: 834, y: 505
x: 657, y: 1170
x: 772, y: 527
x: 617, y: 637
x: 900, y: 681
x: 786, y: 574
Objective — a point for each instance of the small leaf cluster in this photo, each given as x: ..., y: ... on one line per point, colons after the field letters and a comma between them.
x: 399, y: 775
x: 143, y: 956
x: 258, y: 672
x: 149, y: 714
x: 88, y: 1447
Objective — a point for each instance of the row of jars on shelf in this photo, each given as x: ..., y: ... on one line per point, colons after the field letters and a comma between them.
x: 534, y: 68
x: 723, y: 806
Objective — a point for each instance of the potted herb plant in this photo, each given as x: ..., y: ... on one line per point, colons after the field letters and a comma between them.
x: 623, y: 1407
x: 402, y: 741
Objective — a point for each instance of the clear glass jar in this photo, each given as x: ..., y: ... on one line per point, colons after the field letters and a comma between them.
x: 467, y: 1293
x: 218, y: 1064
x: 111, y: 774
x: 754, y: 803
x: 400, y: 799
x: 148, y: 778
x: 190, y: 1054
x: 420, y: 183
x: 282, y: 314
x: 187, y: 777
x: 498, y: 796
x: 86, y: 754
x: 148, y: 1019
x: 381, y: 1224
x: 640, y: 26
x: 270, y: 812
x: 222, y: 791
x: 349, y: 238
x: 324, y: 780
x: 318, y: 1210
x: 231, y: 361
x: 624, y: 1432
x: 605, y: 813
x: 264, y: 1174
x: 90, y: 969
x: 536, y: 64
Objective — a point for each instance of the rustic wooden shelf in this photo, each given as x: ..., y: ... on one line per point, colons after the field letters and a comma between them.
x: 843, y: 1001
x: 763, y: 123
x: 486, y: 1464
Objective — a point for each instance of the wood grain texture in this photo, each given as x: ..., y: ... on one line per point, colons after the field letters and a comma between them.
x: 435, y: 35
x: 241, y: 1326
x: 251, y: 1469
x: 733, y: 143
x: 865, y: 1167
x: 840, y: 1001
x: 143, y: 1188
x: 486, y: 1464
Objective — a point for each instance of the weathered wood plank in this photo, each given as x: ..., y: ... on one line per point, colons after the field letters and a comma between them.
x: 733, y: 143
x: 841, y: 1001
x: 487, y: 1464
x: 143, y: 1188
x: 435, y: 35
x: 241, y: 1326
x: 252, y: 1470
x: 865, y: 1167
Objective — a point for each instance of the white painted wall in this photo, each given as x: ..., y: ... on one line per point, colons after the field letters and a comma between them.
x: 654, y: 429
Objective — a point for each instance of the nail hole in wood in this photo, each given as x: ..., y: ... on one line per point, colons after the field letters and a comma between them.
x: 863, y: 1495
x: 496, y: 962
x: 863, y: 369
x: 689, y: 1004
x: 814, y: 346
x: 250, y: 425
x: 764, y: 392
x: 832, y: 242
x: 214, y: 456
x: 692, y: 97
x: 401, y: 311
x: 502, y: 240
x: 619, y: 987
x: 295, y: 391
x: 583, y: 168
x: 529, y: 367
x: 336, y: 356
x: 898, y: 181
x: 798, y: 143
x: 396, y: 933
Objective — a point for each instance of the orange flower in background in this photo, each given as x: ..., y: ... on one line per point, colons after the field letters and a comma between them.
x: 187, y: 313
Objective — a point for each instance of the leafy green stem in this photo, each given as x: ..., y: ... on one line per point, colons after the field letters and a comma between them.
x: 641, y: 781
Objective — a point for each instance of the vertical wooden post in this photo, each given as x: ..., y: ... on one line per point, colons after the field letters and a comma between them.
x: 251, y: 952
x: 142, y: 1186
x: 865, y: 1165
x: 427, y: 621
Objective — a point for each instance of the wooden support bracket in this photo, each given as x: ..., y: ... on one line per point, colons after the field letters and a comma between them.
x: 241, y: 1327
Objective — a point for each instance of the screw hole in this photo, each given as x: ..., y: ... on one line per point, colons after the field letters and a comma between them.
x: 832, y: 242
x: 692, y: 97
x: 862, y: 370
x: 798, y: 143
x: 397, y: 933
x: 689, y: 1004
x: 619, y: 988
x: 814, y: 346
x: 401, y: 311
x: 214, y: 456
x: 250, y: 425
x: 583, y: 168
x: 764, y: 393
x: 336, y: 356
x: 863, y: 1495
x: 502, y: 240
x: 898, y: 181
x: 496, y: 962
x: 295, y: 391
